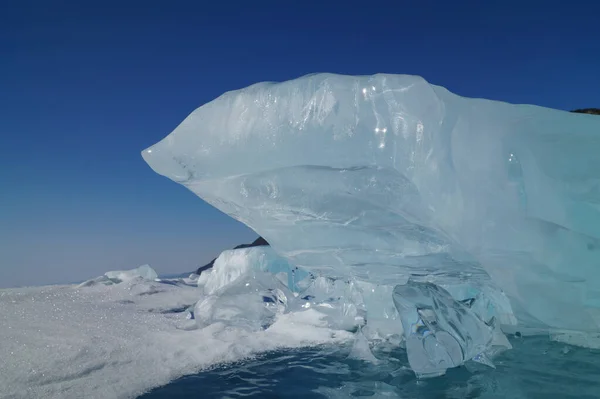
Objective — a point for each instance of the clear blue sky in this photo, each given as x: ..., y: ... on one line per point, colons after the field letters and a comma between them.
x: 83, y: 89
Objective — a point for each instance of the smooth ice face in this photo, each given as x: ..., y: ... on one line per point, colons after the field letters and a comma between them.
x: 383, y: 177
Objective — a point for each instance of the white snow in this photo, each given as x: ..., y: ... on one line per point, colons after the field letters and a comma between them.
x: 121, y: 340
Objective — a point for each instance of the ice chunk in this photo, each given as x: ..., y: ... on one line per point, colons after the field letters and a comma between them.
x: 383, y: 320
x: 248, y: 310
x: 341, y: 300
x: 481, y: 295
x: 232, y: 264
x: 440, y: 332
x: 95, y: 281
x: 242, y: 289
x: 361, y: 349
x: 145, y: 272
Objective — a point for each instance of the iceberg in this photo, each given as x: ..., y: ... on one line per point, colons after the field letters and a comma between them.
x: 444, y: 206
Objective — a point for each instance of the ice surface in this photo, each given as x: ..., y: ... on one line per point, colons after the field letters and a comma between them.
x: 440, y: 332
x: 381, y: 178
x: 536, y: 368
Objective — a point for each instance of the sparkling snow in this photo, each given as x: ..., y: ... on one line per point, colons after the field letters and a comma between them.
x: 120, y: 340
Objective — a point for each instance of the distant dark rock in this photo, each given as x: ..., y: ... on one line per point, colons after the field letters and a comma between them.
x: 259, y: 242
x: 592, y: 111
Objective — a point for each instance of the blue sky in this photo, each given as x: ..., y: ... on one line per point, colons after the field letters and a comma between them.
x: 84, y: 88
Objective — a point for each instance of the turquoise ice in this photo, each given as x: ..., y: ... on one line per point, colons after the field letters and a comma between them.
x: 384, y: 178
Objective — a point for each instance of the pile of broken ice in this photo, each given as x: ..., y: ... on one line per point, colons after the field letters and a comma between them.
x: 399, y: 210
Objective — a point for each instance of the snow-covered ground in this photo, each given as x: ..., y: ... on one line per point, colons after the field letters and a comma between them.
x: 120, y: 340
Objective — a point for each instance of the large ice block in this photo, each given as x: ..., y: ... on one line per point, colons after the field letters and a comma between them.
x: 439, y: 331
x: 242, y: 289
x: 384, y: 177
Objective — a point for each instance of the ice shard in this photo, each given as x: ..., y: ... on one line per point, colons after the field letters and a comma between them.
x: 383, y: 178
x: 439, y: 331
